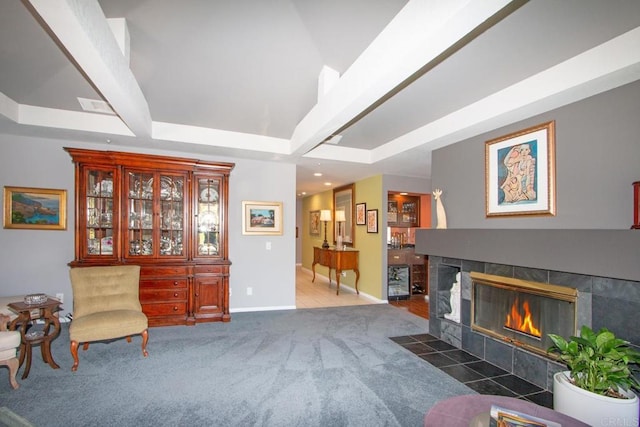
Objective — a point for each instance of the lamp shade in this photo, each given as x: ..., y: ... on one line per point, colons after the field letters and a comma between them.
x: 340, y: 216
x: 325, y: 215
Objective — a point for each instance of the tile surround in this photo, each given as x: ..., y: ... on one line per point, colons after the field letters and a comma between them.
x: 597, y: 296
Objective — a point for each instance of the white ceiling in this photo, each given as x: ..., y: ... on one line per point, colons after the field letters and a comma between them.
x: 241, y: 78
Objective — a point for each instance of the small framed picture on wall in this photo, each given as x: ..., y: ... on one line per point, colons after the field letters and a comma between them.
x: 361, y: 213
x: 372, y: 221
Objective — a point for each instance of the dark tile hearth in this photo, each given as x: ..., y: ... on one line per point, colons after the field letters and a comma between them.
x: 479, y: 375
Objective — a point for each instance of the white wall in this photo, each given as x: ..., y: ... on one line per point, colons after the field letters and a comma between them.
x: 36, y: 261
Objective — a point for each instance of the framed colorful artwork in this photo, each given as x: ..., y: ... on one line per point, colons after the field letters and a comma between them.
x: 520, y: 173
x: 261, y: 218
x: 361, y: 213
x: 35, y: 208
x: 372, y: 221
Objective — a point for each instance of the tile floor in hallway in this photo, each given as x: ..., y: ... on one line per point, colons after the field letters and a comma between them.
x: 477, y: 374
x: 322, y: 294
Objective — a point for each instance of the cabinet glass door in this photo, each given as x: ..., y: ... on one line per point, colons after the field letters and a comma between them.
x: 171, y: 215
x: 140, y: 194
x: 155, y: 214
x: 99, y: 221
x: 208, y: 216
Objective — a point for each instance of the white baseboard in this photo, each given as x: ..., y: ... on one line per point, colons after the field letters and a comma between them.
x: 250, y: 309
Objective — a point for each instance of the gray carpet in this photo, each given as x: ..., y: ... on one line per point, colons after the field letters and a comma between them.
x: 313, y: 367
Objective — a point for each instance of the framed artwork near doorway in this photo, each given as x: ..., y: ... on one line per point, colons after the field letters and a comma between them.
x: 372, y: 221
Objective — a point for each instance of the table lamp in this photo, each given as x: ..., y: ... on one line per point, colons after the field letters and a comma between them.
x: 340, y: 218
x: 325, y: 215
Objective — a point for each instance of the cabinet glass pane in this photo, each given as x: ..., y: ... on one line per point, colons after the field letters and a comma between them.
x: 208, y: 191
x: 140, y: 190
x: 99, y: 212
x: 392, y: 211
x: 171, y: 215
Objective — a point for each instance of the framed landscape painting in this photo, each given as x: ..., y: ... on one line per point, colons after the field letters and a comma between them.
x: 262, y: 218
x: 520, y: 173
x: 35, y: 208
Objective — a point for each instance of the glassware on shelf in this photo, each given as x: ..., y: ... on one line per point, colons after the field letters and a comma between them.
x: 207, y: 249
x: 104, y: 188
x: 170, y: 189
x: 141, y: 247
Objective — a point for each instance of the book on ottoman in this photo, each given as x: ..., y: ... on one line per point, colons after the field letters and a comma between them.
x: 502, y: 417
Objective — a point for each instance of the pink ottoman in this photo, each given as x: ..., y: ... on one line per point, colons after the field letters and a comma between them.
x: 460, y: 410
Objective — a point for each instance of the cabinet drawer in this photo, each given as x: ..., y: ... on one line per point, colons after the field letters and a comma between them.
x: 163, y: 284
x: 164, y: 309
x: 211, y: 269
x: 396, y: 257
x: 151, y: 295
x: 169, y: 270
x: 415, y: 259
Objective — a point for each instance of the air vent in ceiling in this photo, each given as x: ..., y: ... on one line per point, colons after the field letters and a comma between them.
x: 95, y: 106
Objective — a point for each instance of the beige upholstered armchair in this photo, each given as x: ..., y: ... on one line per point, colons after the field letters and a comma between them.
x: 9, y: 342
x: 106, y: 306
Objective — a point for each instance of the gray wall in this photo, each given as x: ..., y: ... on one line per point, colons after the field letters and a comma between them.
x: 36, y: 261
x: 408, y: 184
x: 597, y: 159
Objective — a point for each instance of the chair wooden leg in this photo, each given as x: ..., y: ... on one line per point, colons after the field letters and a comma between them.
x: 13, y: 364
x: 74, y: 353
x: 85, y: 346
x: 128, y: 338
x: 145, y: 339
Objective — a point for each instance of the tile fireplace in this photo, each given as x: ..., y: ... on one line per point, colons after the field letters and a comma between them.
x: 595, y: 299
x: 602, y: 265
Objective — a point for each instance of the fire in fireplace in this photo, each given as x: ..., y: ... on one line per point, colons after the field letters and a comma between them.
x: 519, y: 319
x: 522, y: 312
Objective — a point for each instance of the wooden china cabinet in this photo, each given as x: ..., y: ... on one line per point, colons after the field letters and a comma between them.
x: 166, y: 214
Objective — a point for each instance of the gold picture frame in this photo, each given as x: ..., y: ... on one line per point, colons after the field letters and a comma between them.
x: 261, y: 218
x: 520, y: 173
x: 314, y: 223
x: 35, y: 208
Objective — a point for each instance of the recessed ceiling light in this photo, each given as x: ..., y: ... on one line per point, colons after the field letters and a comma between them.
x: 327, y: 184
x: 317, y: 174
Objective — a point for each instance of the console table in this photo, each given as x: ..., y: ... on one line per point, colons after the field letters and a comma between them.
x: 338, y: 260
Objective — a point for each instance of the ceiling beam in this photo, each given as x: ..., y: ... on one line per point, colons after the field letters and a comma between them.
x: 81, y: 29
x: 419, y: 35
x: 599, y: 69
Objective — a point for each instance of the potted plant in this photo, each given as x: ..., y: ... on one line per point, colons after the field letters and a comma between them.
x: 598, y: 386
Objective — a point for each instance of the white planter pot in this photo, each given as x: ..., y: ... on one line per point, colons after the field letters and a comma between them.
x: 593, y: 409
